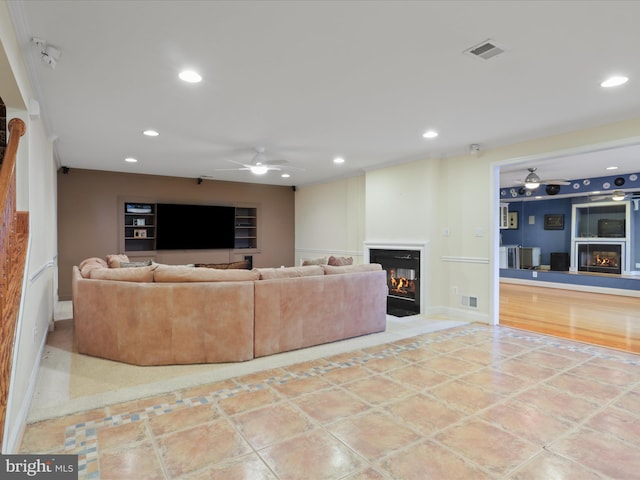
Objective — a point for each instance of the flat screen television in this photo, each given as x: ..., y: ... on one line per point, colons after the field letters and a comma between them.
x: 611, y: 228
x: 191, y: 227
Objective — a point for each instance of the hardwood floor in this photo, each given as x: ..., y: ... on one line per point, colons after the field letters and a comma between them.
x: 607, y: 320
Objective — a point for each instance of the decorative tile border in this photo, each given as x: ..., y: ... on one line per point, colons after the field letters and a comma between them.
x: 82, y: 438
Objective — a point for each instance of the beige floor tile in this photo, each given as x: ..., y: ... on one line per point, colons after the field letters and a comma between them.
x: 330, y: 405
x: 611, y: 376
x: 368, y: 474
x: 464, y: 396
x: 267, y: 425
x: 139, y: 462
x: 430, y: 460
x: 492, y: 379
x: 305, y: 456
x: 183, y: 418
x: 527, y: 422
x: 547, y: 466
x: 603, y: 453
x: 121, y: 436
x: 249, y: 467
x: 300, y: 386
x: 557, y: 403
x: 630, y: 402
x: 346, y: 374
x: 385, y: 364
x: 207, y: 444
x: 518, y: 367
x: 479, y: 355
x: 496, y: 450
x: 450, y: 365
x: 417, y: 377
x: 377, y: 389
x: 549, y: 360
x: 618, y: 423
x: 424, y: 414
x: 582, y: 387
x: 373, y: 435
x: 248, y: 400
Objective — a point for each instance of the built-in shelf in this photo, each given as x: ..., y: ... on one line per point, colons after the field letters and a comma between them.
x: 139, y: 227
x: 246, y: 228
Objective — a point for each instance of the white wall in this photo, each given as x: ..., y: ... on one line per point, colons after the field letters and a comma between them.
x: 36, y: 192
x: 420, y: 200
x: 329, y: 219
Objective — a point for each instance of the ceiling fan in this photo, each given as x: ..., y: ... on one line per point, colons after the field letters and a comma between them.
x: 617, y: 195
x: 533, y: 181
x: 260, y: 164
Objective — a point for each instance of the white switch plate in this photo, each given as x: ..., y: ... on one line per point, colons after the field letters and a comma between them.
x: 532, y: 219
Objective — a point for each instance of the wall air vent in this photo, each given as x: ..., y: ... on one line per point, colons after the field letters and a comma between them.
x: 485, y: 50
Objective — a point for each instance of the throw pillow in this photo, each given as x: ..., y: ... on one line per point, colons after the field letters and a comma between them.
x: 135, y: 264
x: 97, y: 260
x: 314, y: 261
x: 114, y: 260
x: 339, y: 261
x: 244, y: 264
x: 91, y: 264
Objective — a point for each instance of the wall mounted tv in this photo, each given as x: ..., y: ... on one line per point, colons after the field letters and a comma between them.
x: 611, y: 228
x: 191, y: 227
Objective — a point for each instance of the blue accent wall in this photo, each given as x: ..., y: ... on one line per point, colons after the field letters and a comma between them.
x: 534, y: 235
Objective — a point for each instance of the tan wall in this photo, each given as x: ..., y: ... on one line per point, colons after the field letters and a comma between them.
x: 90, y: 206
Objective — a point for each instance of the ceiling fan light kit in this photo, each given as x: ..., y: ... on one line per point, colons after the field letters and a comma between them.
x: 532, y: 181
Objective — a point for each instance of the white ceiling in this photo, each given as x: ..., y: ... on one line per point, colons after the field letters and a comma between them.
x: 312, y: 80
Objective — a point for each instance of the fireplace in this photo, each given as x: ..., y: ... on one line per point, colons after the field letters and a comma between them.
x: 600, y: 257
x: 403, y: 279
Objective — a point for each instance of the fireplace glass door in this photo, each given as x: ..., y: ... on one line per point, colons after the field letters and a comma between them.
x: 601, y: 258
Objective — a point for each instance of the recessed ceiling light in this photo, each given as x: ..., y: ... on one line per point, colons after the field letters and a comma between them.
x: 130, y: 160
x: 338, y: 160
x: 151, y: 133
x: 190, y: 76
x: 430, y: 134
x: 614, y: 81
x: 612, y: 167
x: 285, y: 175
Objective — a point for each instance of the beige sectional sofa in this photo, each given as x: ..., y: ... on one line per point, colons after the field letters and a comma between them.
x: 163, y: 314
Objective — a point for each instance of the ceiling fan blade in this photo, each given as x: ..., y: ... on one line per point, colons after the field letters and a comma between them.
x: 555, y: 182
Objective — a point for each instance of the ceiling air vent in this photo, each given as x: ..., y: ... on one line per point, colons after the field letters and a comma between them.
x: 485, y: 50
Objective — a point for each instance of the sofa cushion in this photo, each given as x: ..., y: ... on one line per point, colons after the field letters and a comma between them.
x: 339, y: 261
x: 114, y: 260
x: 131, y: 274
x: 289, y: 272
x: 367, y: 267
x: 180, y: 273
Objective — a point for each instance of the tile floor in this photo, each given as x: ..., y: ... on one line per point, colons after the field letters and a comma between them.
x: 469, y: 402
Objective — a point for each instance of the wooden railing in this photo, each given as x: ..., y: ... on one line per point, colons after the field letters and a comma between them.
x: 14, y: 233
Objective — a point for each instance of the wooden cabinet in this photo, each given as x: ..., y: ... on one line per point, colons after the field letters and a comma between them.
x: 246, y: 228
x: 139, y: 227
